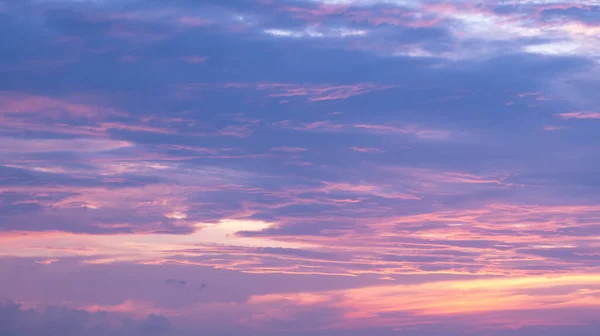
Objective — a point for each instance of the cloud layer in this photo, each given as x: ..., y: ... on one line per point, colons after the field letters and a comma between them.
x: 299, y: 167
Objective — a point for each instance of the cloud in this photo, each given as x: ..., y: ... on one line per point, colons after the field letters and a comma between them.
x: 365, y: 149
x: 314, y: 33
x: 312, y: 92
x: 23, y: 103
x: 417, y: 131
x: 328, y: 167
x: 412, y: 130
x: 552, y: 128
x: 47, y: 261
x: 289, y: 149
x: 13, y: 145
x: 18, y: 321
x: 405, y: 306
x: 579, y: 115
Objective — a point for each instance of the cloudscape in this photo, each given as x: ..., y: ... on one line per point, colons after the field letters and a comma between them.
x: 299, y: 167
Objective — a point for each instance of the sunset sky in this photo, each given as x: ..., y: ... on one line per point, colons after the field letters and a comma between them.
x: 299, y: 168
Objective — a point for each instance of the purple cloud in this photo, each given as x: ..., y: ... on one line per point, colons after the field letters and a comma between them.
x: 298, y: 167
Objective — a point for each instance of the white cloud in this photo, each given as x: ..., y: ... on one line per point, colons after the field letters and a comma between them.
x: 16, y: 145
x: 312, y: 32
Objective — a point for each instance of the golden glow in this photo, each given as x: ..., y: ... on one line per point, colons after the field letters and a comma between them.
x: 452, y: 297
x: 132, y: 247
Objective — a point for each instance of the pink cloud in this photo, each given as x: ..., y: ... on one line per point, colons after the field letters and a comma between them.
x: 15, y: 145
x: 328, y: 126
x: 315, y: 14
x: 23, y: 103
x: 579, y: 115
x: 321, y: 93
x: 525, y: 299
x: 299, y: 163
x: 23, y: 111
x: 97, y: 128
x: 190, y: 148
x: 383, y: 191
x: 316, y: 126
x: 134, y: 127
x: 240, y: 131
x: 313, y: 92
x: 417, y: 131
x: 552, y: 128
x: 366, y: 149
x: 289, y: 149
x: 131, y: 307
x: 47, y: 261
x: 418, y: 242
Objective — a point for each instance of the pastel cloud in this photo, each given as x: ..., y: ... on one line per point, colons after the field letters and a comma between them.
x: 313, y: 92
x: 405, y: 307
x: 20, y: 103
x: 314, y: 167
x: 30, y: 322
x: 416, y: 131
x: 579, y: 115
x: 8, y: 145
x: 365, y: 149
x: 289, y: 149
x: 311, y: 32
x: 135, y: 247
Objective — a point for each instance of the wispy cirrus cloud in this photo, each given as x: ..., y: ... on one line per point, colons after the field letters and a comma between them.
x: 419, y: 132
x: 289, y: 149
x: 18, y: 103
x: 327, y: 167
x: 579, y: 115
x: 365, y: 149
x: 15, y: 145
x: 312, y: 92
x: 311, y: 32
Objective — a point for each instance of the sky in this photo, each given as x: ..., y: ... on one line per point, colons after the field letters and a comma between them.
x: 299, y: 167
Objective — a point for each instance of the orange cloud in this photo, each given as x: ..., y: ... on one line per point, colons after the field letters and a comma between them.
x: 407, y: 304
